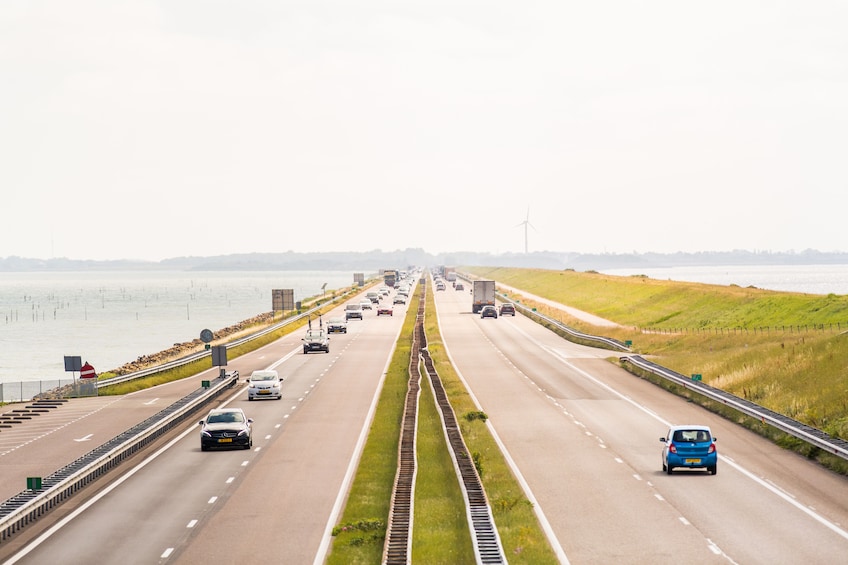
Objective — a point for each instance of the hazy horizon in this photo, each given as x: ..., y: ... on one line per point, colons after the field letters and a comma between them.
x: 153, y: 130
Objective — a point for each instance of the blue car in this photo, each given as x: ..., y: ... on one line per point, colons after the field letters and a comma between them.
x: 690, y: 447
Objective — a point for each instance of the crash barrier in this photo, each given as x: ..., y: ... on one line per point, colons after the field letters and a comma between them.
x: 27, y: 390
x: 33, y: 503
x: 573, y: 335
x: 202, y: 354
x: 785, y: 424
x: 797, y: 429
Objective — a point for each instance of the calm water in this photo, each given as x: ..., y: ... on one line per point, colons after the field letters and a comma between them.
x: 110, y: 318
x: 810, y: 279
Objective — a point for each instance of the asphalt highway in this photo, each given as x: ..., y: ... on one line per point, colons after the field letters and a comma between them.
x: 584, y: 436
x: 581, y: 433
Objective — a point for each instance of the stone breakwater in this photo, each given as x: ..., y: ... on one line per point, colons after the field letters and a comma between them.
x: 182, y: 349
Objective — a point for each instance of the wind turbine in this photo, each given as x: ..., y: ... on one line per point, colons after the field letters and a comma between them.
x: 526, y: 223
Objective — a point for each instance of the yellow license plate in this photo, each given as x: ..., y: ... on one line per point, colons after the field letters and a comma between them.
x: 693, y: 461
x: 264, y: 392
x: 225, y: 440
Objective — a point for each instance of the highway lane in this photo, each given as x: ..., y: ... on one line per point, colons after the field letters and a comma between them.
x: 189, y: 506
x: 584, y: 434
x: 40, y: 446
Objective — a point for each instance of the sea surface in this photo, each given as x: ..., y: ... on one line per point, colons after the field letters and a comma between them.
x: 112, y: 317
x: 809, y: 279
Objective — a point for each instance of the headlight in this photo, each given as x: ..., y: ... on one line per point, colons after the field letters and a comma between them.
x: 243, y: 433
x: 204, y: 433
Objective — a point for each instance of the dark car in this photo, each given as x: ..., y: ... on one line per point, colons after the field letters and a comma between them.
x: 507, y: 309
x: 226, y: 427
x: 316, y: 340
x: 458, y: 286
x: 489, y: 311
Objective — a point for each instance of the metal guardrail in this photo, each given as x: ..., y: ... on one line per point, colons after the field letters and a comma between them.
x: 813, y: 436
x: 604, y: 342
x: 30, y: 505
x: 202, y: 354
x: 25, y: 391
x: 785, y: 424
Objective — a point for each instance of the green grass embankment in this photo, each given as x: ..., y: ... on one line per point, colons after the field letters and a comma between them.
x: 785, y: 351
x: 201, y: 365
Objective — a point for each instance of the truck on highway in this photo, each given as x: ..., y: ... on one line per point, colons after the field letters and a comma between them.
x: 482, y: 294
x: 390, y: 277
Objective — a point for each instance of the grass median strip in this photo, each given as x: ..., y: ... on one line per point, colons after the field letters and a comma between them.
x: 441, y: 532
x: 520, y: 532
x: 359, y: 537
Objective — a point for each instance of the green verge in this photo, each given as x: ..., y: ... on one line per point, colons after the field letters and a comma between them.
x: 784, y: 351
x: 521, y: 534
x: 205, y: 364
x: 360, y: 535
x: 441, y: 534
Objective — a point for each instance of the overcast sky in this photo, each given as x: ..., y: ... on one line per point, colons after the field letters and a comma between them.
x: 155, y: 129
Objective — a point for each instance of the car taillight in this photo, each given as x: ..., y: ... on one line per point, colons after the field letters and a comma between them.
x: 672, y: 448
x: 712, y: 448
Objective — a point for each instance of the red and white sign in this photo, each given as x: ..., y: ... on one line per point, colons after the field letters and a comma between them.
x: 87, y: 372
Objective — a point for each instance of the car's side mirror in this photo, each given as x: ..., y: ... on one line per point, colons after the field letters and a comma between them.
x: 250, y: 420
x: 200, y: 423
x: 662, y: 439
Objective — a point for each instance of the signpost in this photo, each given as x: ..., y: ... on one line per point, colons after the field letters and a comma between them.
x: 282, y: 299
x: 219, y: 357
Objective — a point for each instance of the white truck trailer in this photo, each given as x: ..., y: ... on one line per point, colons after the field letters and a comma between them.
x: 482, y: 294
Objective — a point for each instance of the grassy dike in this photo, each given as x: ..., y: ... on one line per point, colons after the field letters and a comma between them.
x: 441, y: 534
x: 205, y: 364
x: 785, y: 351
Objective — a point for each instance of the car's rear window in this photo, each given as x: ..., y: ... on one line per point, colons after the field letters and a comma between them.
x: 691, y: 435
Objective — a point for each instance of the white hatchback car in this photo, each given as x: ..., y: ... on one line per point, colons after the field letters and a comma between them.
x: 264, y: 384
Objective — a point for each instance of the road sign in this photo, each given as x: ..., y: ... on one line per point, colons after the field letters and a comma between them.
x: 219, y: 356
x: 87, y: 372
x: 73, y: 363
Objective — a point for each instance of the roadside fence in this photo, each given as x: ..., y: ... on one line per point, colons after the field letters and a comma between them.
x: 767, y: 330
